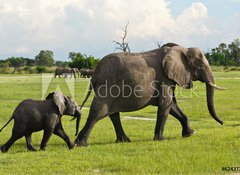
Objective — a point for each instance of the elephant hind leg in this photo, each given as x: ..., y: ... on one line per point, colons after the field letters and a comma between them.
x: 120, y: 134
x: 98, y: 111
x: 28, y: 138
x: 46, y: 135
x: 15, y: 136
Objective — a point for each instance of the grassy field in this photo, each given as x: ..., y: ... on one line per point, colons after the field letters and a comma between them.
x: 211, y: 148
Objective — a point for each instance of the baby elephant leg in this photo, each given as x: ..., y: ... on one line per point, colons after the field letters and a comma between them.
x: 29, y: 142
x: 59, y: 131
x: 46, y: 135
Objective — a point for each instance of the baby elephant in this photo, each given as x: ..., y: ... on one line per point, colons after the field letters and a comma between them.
x: 32, y: 115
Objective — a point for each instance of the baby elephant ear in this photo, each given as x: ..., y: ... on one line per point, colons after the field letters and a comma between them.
x: 59, y: 100
x: 50, y: 96
x: 176, y: 67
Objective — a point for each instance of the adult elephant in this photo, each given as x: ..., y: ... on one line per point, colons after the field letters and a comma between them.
x: 86, y: 73
x: 130, y: 81
x: 65, y: 71
x: 58, y: 72
x: 75, y: 71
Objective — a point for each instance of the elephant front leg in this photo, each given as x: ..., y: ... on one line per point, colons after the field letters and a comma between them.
x: 178, y: 114
x: 165, y: 103
x: 97, y: 111
x: 59, y: 131
x: 160, y: 124
x: 82, y: 138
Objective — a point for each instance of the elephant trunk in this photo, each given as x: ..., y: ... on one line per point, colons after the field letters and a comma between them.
x: 77, y: 115
x: 210, y: 87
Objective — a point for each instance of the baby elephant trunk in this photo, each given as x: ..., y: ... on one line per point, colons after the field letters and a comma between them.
x: 77, y: 115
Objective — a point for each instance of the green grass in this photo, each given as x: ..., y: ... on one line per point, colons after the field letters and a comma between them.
x: 211, y: 148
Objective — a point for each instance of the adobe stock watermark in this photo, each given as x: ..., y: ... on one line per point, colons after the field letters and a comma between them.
x: 118, y: 89
x: 126, y: 90
x: 65, y: 84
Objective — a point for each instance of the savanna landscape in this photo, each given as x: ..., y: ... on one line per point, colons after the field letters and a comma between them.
x: 154, y: 84
x: 209, y: 150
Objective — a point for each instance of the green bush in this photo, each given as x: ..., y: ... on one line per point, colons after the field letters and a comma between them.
x: 234, y: 69
x: 4, y: 68
x: 50, y: 69
x: 41, y: 69
x: 29, y: 69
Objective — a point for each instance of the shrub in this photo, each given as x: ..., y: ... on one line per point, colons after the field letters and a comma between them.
x: 29, y: 70
x: 234, y: 69
x: 41, y: 69
x: 4, y: 68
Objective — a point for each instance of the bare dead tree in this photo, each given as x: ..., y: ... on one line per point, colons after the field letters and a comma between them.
x: 159, y: 44
x: 123, y: 45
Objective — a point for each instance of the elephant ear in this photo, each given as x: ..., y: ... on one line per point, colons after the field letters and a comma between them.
x: 59, y: 100
x: 50, y: 96
x: 176, y: 67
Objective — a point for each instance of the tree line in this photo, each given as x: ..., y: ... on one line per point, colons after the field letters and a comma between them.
x: 225, y: 54
x: 45, y: 59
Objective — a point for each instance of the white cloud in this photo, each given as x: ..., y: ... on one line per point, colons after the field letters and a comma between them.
x: 193, y: 21
x: 5, y: 8
x: 23, y: 50
x: 90, y: 26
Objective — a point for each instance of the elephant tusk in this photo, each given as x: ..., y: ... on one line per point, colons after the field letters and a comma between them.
x: 216, y: 87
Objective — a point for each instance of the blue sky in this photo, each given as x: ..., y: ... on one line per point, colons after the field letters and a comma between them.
x: 216, y: 8
x: 90, y: 26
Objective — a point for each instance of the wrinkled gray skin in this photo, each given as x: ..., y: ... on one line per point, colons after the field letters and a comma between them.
x: 32, y: 116
x: 86, y: 73
x: 65, y: 71
x: 157, y: 72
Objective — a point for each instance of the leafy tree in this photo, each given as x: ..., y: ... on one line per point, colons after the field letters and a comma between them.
x: 45, y: 58
x: 61, y: 63
x: 78, y: 60
x: 29, y: 62
x: 225, y: 55
x: 4, y: 62
x: 16, y: 62
x: 81, y: 61
x: 234, y: 49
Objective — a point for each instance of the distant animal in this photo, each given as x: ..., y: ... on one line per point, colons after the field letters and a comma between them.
x: 75, y: 71
x: 35, y: 115
x: 65, y: 71
x: 86, y: 73
x: 125, y: 82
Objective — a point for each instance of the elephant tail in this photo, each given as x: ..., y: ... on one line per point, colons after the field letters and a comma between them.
x: 87, y: 96
x: 6, y: 124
